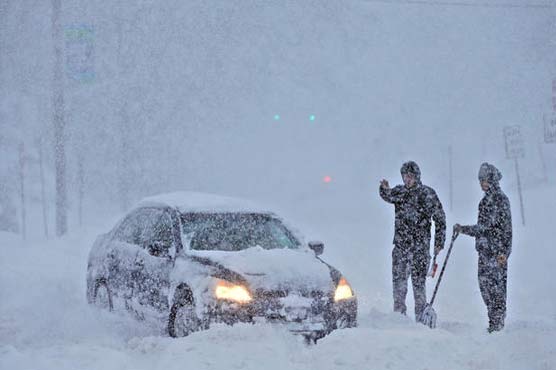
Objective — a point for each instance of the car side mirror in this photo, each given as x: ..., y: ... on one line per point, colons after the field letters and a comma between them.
x: 317, y: 247
x: 158, y: 249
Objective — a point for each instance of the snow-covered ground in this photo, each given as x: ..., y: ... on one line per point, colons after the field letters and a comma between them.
x: 263, y: 99
x: 45, y: 322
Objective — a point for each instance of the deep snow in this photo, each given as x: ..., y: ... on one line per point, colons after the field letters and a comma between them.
x: 45, y: 322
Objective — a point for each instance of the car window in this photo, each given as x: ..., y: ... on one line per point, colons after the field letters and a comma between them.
x: 156, y: 228
x: 129, y: 230
x: 236, y: 231
x: 147, y: 226
x: 279, y: 233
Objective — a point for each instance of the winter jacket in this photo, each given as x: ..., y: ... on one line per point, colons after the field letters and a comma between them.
x: 414, y: 208
x: 493, y: 231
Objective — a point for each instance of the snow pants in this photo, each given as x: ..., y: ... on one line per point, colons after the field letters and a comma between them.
x: 407, y: 262
x: 493, y: 280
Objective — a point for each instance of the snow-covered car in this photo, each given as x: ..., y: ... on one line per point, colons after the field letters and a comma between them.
x: 188, y: 260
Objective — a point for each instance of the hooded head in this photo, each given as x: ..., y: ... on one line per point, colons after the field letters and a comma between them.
x: 490, y: 174
x: 411, y: 168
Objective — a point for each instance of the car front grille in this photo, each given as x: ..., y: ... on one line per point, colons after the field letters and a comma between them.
x: 273, y: 304
x: 271, y: 294
x: 275, y: 294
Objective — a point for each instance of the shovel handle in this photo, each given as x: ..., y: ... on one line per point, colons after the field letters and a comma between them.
x: 454, y: 236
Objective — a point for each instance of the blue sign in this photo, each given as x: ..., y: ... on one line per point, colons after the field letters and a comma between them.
x: 80, y: 55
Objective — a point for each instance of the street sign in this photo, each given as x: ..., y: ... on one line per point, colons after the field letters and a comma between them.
x: 515, y: 150
x: 514, y: 142
x: 80, y: 53
x: 550, y: 129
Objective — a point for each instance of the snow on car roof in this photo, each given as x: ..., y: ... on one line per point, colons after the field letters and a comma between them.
x: 186, y: 201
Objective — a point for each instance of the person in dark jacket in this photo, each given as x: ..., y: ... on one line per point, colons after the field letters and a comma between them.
x: 493, y: 242
x: 415, y: 204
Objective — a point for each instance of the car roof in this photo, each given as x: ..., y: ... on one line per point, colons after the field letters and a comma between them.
x: 188, y: 201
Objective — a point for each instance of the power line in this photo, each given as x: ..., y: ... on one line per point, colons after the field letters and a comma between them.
x: 464, y: 4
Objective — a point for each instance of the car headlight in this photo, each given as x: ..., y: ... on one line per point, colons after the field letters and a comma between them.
x: 343, y: 291
x: 232, y: 292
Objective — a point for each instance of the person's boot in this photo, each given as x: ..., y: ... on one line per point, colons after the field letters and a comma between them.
x: 495, y: 325
x: 490, y: 328
x: 400, y: 308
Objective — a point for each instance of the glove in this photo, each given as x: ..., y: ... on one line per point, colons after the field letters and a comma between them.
x: 437, y: 249
x: 457, y: 229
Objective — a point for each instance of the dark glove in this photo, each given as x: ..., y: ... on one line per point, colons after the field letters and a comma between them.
x: 437, y: 249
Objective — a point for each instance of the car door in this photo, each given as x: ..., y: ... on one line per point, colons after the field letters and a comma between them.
x: 154, y: 261
x: 121, y: 256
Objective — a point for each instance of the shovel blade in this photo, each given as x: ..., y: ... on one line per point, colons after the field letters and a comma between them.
x: 428, y: 317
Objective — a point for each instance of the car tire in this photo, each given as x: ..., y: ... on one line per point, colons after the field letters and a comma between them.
x: 183, y: 319
x: 102, y: 296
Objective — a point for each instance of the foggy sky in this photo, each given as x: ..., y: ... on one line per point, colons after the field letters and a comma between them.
x: 185, y: 94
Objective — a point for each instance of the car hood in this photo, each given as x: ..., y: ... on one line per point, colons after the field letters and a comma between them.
x: 274, y: 269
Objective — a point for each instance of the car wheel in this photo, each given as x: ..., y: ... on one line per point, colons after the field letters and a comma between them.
x: 102, y: 297
x: 346, y: 322
x: 183, y: 319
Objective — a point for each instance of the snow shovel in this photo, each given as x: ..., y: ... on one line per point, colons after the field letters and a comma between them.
x: 428, y: 317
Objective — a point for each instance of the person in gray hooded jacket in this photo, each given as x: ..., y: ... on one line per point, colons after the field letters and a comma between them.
x: 493, y: 242
x: 415, y: 205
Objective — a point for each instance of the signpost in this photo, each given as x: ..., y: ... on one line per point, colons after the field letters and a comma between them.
x: 550, y: 122
x: 554, y: 95
x: 515, y: 150
x: 550, y: 129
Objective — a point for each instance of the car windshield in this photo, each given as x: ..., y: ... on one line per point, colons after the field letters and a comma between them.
x: 236, y: 231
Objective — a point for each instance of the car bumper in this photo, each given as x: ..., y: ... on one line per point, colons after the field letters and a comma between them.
x: 316, y: 320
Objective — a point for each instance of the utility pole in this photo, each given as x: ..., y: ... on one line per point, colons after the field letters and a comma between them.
x: 3, y: 37
x: 543, y: 164
x: 80, y: 186
x: 59, y: 123
x: 43, y: 188
x: 125, y: 145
